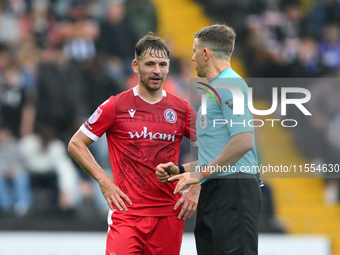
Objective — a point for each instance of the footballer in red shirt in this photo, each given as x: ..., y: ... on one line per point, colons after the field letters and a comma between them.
x: 144, y: 127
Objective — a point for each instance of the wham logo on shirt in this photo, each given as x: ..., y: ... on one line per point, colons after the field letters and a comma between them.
x: 145, y: 134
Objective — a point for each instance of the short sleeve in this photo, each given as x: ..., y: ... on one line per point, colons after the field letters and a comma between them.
x: 236, y: 123
x: 100, y: 121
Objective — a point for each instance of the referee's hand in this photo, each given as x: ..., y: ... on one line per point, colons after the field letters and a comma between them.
x: 185, y: 179
x: 164, y: 171
x: 188, y: 201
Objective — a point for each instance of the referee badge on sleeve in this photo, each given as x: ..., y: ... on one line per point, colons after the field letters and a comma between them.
x: 203, y: 121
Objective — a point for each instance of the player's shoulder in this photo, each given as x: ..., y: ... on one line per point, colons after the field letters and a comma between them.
x: 123, y: 95
x: 114, y: 100
x: 121, y: 98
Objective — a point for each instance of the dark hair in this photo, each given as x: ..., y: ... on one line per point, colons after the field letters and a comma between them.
x: 153, y: 45
x: 220, y: 39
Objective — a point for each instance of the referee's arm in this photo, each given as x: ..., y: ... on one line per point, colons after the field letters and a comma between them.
x: 235, y: 149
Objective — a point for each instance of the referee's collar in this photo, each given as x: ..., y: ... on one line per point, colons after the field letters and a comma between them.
x: 220, y: 76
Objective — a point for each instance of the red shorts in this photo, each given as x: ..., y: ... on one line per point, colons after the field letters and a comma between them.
x: 147, y: 235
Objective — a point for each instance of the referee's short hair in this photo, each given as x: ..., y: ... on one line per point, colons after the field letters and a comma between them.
x: 153, y: 45
x: 220, y: 39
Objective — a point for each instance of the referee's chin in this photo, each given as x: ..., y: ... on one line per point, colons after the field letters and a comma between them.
x: 199, y: 74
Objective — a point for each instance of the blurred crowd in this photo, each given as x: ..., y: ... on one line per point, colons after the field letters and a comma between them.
x: 293, y: 43
x: 60, y: 59
x: 300, y: 41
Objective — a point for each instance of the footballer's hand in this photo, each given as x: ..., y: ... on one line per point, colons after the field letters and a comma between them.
x: 113, y: 195
x: 185, y: 179
x: 189, y: 201
x: 164, y: 171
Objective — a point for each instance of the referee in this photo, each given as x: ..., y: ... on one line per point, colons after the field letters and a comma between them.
x: 230, y: 199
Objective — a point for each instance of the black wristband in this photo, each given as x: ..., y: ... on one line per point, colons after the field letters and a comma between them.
x: 181, y: 169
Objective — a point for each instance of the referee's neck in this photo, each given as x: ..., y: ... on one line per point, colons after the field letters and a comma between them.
x: 216, y: 67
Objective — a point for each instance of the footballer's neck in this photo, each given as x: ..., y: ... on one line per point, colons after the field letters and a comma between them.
x: 151, y: 96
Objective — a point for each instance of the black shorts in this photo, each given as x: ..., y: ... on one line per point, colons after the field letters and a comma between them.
x: 227, y: 216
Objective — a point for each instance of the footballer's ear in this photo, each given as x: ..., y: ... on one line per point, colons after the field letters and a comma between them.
x: 135, y: 66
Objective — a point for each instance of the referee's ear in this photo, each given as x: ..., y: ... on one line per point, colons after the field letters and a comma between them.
x: 207, y: 53
x: 135, y: 66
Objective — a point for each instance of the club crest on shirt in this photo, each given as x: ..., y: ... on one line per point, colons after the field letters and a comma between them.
x: 94, y: 117
x: 170, y: 115
x: 203, y: 121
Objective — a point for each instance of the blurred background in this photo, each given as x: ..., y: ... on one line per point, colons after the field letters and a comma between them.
x: 60, y: 59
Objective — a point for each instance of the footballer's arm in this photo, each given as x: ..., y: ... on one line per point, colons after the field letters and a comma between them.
x: 78, y: 149
x: 189, y: 198
x: 166, y: 170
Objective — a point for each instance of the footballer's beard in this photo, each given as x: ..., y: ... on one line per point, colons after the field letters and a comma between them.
x: 146, y: 82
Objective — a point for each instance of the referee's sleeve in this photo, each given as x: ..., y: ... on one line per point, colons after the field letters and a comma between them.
x: 236, y: 123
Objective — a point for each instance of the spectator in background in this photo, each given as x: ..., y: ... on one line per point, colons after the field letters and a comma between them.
x: 15, y: 192
x: 78, y: 32
x: 294, y: 23
x: 57, y: 84
x: 13, y: 97
x: 323, y: 12
x: 95, y: 8
x: 142, y: 16
x: 28, y: 58
x: 17, y: 7
x: 233, y: 12
x: 17, y: 86
x: 10, y: 31
x: 273, y: 42
x: 255, y: 52
x: 175, y: 61
x: 308, y: 62
x: 46, y: 160
x: 324, y: 123
x: 281, y: 39
x: 38, y: 23
x: 116, y: 40
x: 330, y: 46
x: 183, y: 81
